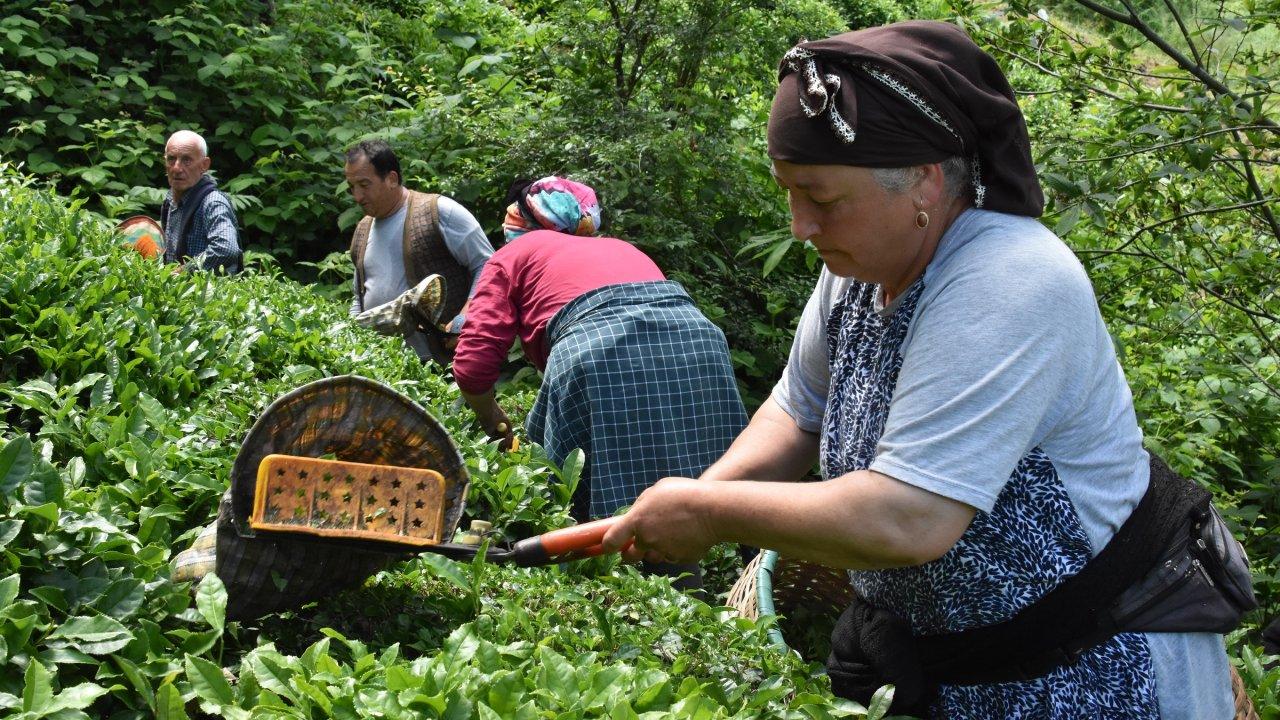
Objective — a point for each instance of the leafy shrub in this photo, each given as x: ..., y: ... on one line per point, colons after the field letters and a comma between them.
x: 91, y: 91
x: 124, y: 391
x: 870, y: 13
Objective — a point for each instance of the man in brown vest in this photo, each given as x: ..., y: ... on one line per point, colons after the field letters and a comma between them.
x: 407, y: 236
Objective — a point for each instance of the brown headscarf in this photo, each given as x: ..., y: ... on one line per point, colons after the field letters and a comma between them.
x: 905, y: 94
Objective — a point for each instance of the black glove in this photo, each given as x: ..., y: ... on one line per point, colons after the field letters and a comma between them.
x: 1271, y: 638
x: 872, y: 647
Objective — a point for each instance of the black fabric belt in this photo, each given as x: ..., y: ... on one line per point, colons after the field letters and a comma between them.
x: 1072, y: 617
x: 872, y: 647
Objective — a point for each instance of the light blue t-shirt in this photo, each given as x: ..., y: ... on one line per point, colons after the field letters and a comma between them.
x: 1008, y: 351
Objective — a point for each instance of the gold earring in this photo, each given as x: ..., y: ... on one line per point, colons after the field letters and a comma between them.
x: 922, y: 219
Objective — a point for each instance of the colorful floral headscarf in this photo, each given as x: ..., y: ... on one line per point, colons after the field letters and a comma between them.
x: 553, y: 203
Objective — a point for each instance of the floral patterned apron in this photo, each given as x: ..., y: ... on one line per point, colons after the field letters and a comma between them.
x: 1008, y: 558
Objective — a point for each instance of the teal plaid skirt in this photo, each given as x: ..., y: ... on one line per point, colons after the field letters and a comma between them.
x: 640, y: 380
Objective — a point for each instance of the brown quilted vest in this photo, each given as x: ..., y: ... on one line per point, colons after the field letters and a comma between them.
x: 425, y: 253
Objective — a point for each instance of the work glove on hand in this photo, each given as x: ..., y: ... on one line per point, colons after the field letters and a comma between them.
x: 416, y: 306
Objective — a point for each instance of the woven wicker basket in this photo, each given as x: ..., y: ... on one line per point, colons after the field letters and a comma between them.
x: 350, y: 418
x: 773, y: 585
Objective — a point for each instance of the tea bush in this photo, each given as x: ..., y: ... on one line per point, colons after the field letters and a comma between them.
x: 124, y: 392
x: 1165, y: 186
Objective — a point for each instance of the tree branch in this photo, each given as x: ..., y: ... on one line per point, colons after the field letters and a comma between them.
x: 1105, y: 11
x: 1090, y: 88
x: 1196, y: 70
x: 1256, y: 189
x: 1177, y: 17
x: 1251, y: 314
x: 1180, y: 141
x: 619, y: 49
x: 1169, y: 220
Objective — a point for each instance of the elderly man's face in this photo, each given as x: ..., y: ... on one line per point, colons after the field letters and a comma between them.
x: 378, y: 197
x: 184, y: 164
x: 860, y: 229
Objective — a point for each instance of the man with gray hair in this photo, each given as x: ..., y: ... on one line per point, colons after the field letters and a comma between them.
x: 198, y: 220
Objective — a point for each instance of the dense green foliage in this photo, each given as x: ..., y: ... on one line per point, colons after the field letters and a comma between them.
x: 658, y: 107
x: 125, y: 393
x: 1153, y: 126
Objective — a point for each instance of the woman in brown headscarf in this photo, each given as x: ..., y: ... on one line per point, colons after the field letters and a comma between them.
x: 953, y: 376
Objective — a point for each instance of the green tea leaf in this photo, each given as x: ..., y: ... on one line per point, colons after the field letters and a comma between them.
x: 505, y: 693
x: 153, y: 411
x: 53, y: 597
x: 135, y: 677
x: 121, y: 599
x: 169, y: 705
x: 77, y: 697
x: 102, y: 391
x: 15, y: 464
x: 272, y: 672
x: 605, y: 624
x: 47, y: 511
x: 557, y: 675
x: 880, y: 703
x: 623, y: 711
x: 459, y: 708
x: 84, y: 382
x: 446, y: 569
x: 211, y: 601
x: 571, y: 469
x: 43, y: 486
x: 9, y: 530
x: 196, y: 643
x: 208, y: 681
x: 37, y: 690
x: 98, y: 635
x: 478, y: 565
x: 8, y: 589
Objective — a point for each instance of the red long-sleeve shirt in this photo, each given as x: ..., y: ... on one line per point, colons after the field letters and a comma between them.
x: 524, y: 284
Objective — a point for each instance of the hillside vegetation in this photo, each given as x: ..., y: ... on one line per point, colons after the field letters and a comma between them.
x: 126, y: 393
x: 125, y: 390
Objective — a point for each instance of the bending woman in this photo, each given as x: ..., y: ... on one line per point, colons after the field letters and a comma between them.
x: 633, y: 373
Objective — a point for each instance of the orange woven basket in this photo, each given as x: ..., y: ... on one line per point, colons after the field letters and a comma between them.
x: 143, y: 235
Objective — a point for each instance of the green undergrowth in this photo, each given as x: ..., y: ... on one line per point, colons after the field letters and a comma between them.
x: 124, y: 392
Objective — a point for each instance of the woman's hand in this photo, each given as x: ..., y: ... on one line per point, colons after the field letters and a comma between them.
x: 667, y: 524
x: 492, y: 419
x: 505, y: 436
x: 498, y: 427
